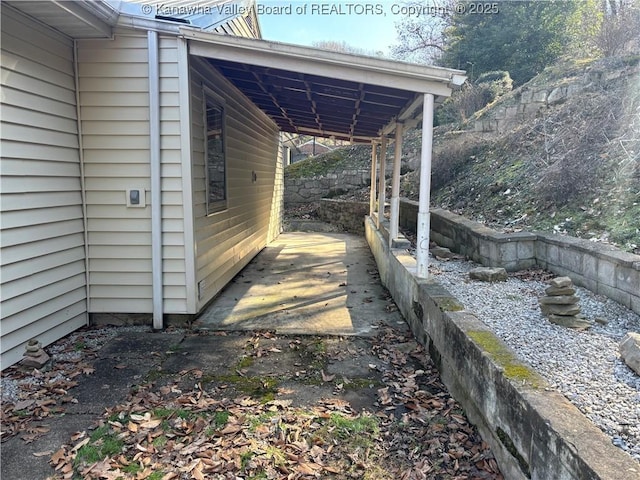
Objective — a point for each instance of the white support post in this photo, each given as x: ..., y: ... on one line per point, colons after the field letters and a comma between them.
x: 395, y: 186
x: 381, y: 180
x: 372, y: 192
x: 424, y: 219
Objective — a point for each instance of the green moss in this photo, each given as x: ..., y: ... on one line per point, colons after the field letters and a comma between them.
x: 314, y: 166
x: 513, y: 369
x: 245, y: 362
x: 358, y: 383
x: 263, y: 389
x: 449, y: 304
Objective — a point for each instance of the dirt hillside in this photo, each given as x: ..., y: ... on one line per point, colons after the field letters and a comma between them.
x: 559, y: 154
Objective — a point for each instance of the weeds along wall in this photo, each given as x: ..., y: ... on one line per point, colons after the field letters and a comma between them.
x: 603, y: 269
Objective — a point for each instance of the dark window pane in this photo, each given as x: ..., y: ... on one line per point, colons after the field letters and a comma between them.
x: 216, y: 165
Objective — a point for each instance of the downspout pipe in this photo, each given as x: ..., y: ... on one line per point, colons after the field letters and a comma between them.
x: 156, y: 184
x: 83, y: 188
x: 424, y: 215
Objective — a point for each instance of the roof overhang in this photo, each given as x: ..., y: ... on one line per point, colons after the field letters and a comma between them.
x: 317, y: 92
x: 77, y: 19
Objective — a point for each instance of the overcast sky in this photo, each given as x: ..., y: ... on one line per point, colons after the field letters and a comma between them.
x: 365, y: 25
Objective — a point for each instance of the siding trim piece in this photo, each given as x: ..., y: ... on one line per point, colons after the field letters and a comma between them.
x: 187, y: 186
x: 83, y: 190
x: 156, y: 179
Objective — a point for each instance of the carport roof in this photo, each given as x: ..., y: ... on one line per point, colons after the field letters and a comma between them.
x: 317, y: 92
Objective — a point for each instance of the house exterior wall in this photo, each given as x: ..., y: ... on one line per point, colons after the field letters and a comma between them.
x: 227, y: 240
x: 42, y: 242
x: 114, y: 98
x: 114, y: 101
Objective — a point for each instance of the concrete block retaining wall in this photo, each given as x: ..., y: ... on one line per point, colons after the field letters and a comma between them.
x: 534, y: 432
x: 601, y: 268
x: 345, y: 215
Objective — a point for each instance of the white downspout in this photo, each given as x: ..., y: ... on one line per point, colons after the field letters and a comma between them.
x: 424, y: 218
x: 395, y: 186
x: 83, y: 189
x: 372, y: 191
x: 381, y: 180
x: 156, y: 184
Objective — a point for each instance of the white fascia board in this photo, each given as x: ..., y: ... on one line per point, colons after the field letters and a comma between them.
x: 80, y: 12
x: 369, y: 70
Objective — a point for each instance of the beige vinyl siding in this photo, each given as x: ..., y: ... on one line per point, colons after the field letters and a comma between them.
x: 43, y: 283
x: 114, y: 101
x: 173, y: 242
x: 277, y: 201
x: 227, y: 240
x: 114, y: 95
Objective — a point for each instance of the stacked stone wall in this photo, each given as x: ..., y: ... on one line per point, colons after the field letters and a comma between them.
x: 304, y: 190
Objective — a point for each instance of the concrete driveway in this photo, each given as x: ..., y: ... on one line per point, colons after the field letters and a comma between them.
x: 305, y: 283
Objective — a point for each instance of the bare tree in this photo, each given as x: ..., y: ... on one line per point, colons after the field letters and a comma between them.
x: 620, y: 27
x: 420, y: 31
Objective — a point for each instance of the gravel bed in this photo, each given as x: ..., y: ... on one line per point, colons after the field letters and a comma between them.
x: 584, y: 366
x: 71, y: 348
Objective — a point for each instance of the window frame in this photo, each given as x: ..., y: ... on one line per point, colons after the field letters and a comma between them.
x: 209, y: 97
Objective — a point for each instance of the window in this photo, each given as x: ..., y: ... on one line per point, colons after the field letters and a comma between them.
x: 216, y: 165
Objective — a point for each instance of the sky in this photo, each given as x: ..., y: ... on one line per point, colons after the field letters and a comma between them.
x: 366, y: 25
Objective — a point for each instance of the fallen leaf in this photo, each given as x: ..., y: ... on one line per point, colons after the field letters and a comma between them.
x: 325, y: 377
x: 43, y: 454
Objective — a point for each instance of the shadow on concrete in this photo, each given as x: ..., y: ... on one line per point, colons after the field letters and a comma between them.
x: 304, y: 283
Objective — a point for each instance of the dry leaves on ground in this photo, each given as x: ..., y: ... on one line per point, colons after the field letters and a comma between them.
x: 43, y: 393
x: 165, y: 432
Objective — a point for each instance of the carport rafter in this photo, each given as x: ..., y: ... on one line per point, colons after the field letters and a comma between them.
x: 343, y: 96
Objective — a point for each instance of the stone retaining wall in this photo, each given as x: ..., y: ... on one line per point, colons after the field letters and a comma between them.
x: 601, y: 268
x: 534, y: 432
x: 303, y: 190
x: 345, y: 215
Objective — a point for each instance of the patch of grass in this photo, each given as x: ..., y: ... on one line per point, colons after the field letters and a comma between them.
x: 161, y: 412
x: 79, y: 346
x: 257, y: 420
x: 160, y: 442
x: 102, y: 443
x: 245, y: 458
x: 220, y: 419
x: 132, y: 468
x: 353, y: 432
x: 156, y: 476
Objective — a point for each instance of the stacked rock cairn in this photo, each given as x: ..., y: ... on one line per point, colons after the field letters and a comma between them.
x: 35, y: 356
x: 560, y: 304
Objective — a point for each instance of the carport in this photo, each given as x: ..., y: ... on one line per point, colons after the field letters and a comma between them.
x: 337, y: 95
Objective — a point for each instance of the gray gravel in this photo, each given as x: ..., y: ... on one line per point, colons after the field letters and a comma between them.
x: 67, y: 349
x: 584, y: 366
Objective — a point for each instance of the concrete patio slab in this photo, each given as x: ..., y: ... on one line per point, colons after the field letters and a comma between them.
x: 305, y: 283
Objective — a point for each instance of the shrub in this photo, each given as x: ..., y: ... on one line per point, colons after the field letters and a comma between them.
x: 473, y: 97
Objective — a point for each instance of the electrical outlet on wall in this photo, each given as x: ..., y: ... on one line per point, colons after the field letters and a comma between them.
x: 136, y: 197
